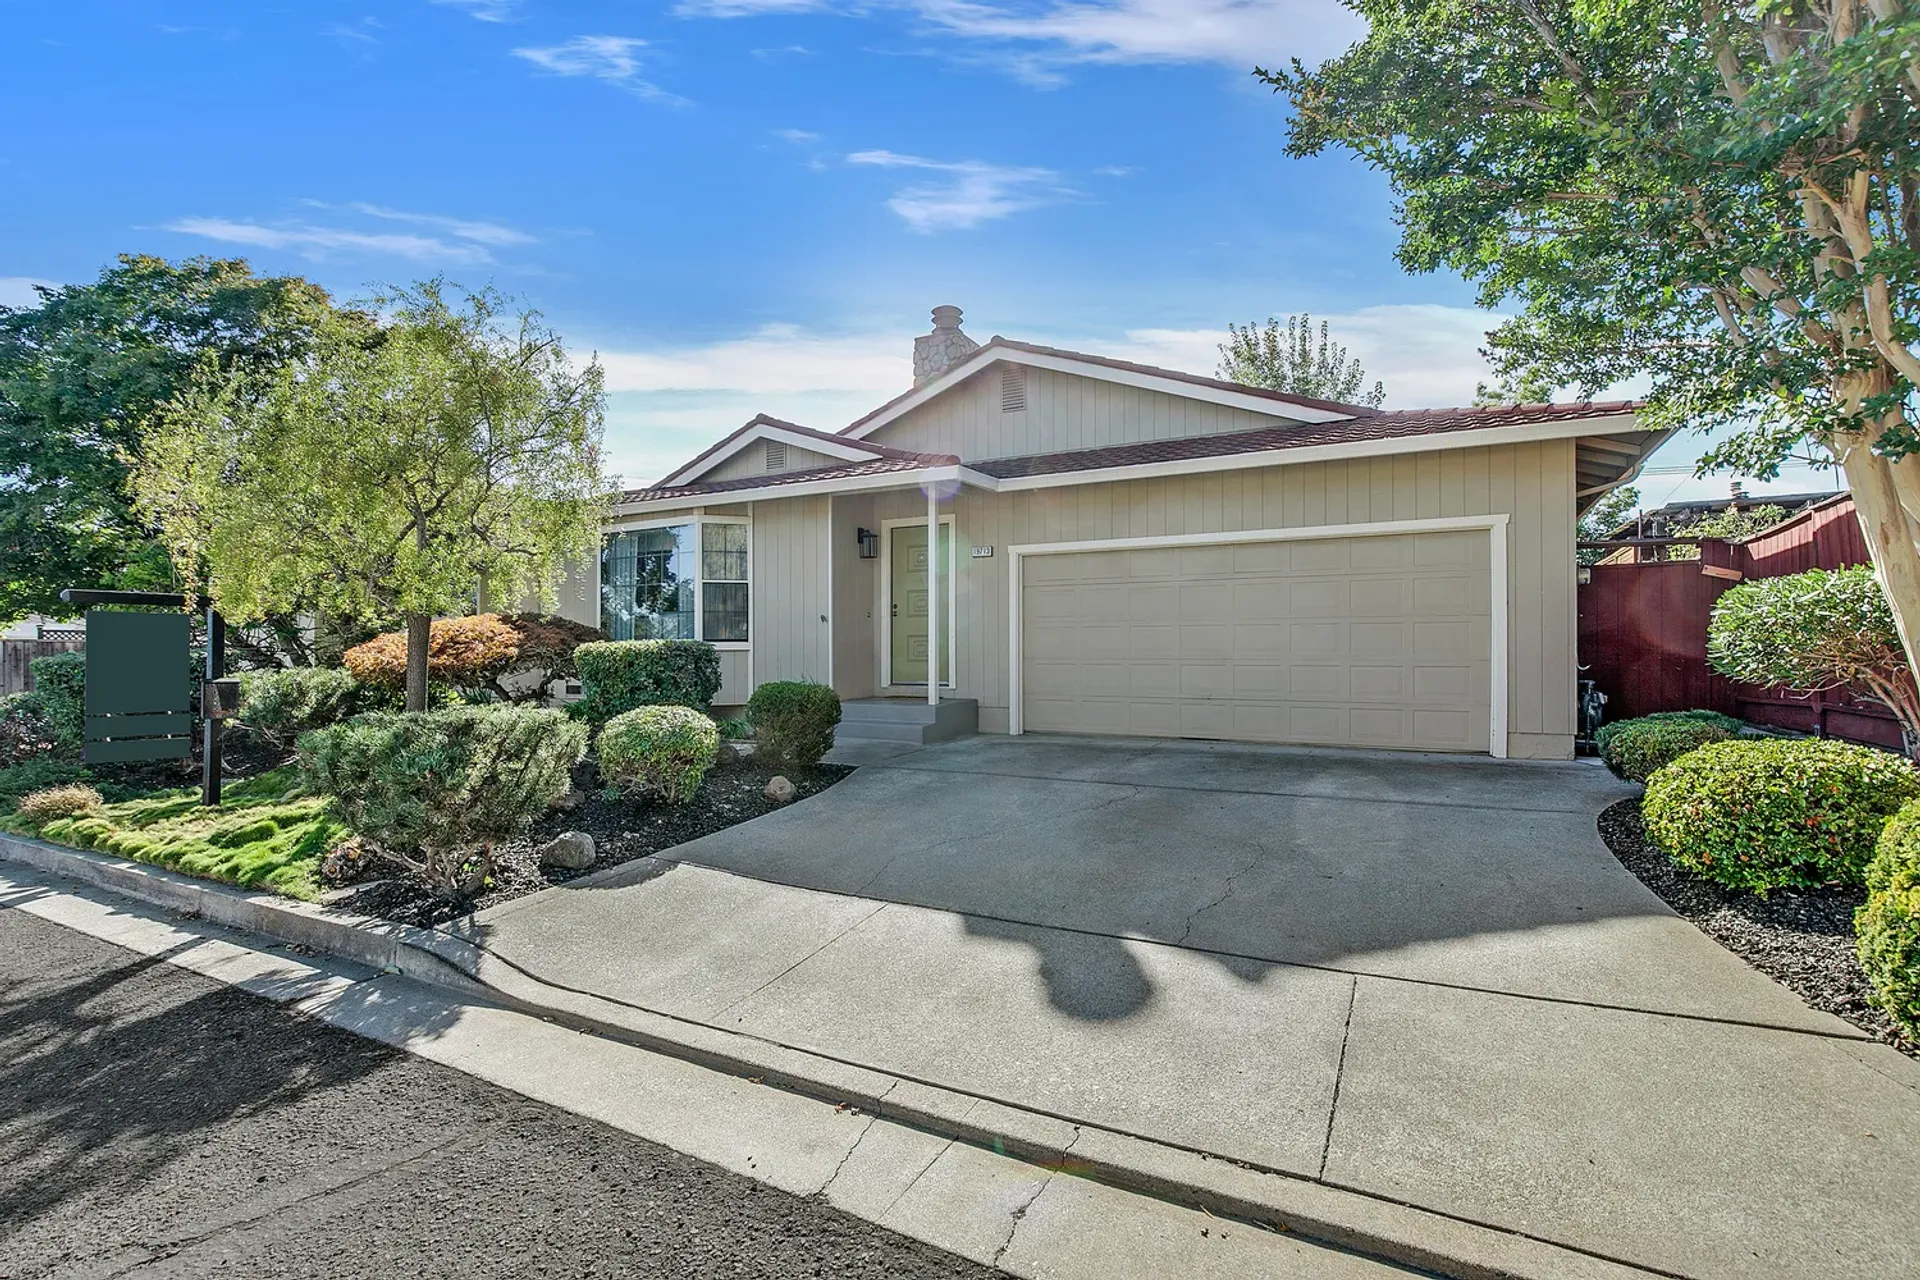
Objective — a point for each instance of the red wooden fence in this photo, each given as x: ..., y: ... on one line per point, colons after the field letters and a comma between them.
x: 1643, y: 630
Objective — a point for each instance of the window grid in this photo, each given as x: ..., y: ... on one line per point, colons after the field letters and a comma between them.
x: 678, y: 581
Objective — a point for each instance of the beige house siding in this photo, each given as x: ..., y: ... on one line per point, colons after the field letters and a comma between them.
x: 792, y: 631
x: 1533, y: 483
x: 752, y: 461
x: 856, y: 639
x: 1064, y: 411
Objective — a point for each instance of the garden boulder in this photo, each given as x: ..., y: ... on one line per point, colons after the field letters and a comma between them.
x: 569, y: 851
x: 779, y: 790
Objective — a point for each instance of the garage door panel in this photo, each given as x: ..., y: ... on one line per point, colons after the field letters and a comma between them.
x: 1362, y: 641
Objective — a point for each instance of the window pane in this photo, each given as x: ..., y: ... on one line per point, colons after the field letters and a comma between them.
x: 723, y: 552
x: 725, y: 615
x: 646, y: 584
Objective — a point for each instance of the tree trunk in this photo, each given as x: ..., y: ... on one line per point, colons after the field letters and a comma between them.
x: 419, y: 634
x: 1883, y: 494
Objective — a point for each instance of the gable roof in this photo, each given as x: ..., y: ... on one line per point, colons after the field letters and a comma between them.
x: 765, y: 427
x: 1238, y: 395
x: 1374, y: 426
x: 773, y: 480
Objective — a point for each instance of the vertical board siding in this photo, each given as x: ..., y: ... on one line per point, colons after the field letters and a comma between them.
x: 1064, y: 411
x: 792, y: 629
x: 752, y: 461
x: 1532, y: 483
x: 856, y: 660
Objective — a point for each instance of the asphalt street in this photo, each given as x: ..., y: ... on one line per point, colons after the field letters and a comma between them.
x: 155, y: 1123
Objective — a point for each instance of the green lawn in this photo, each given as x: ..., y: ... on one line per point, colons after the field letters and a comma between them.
x: 264, y: 834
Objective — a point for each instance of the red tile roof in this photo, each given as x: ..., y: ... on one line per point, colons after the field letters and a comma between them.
x: 879, y: 466
x: 1375, y: 426
x: 766, y: 420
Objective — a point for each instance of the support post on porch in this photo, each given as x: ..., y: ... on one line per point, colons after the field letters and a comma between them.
x: 933, y: 597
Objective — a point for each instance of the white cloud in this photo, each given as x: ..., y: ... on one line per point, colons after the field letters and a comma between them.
x: 316, y: 241
x: 490, y: 233
x: 972, y: 192
x: 777, y: 359
x: 1038, y: 40
x: 484, y: 10
x: 796, y: 135
x: 614, y: 59
x: 17, y: 291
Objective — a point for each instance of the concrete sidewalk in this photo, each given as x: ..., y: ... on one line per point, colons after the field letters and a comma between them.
x: 1415, y: 981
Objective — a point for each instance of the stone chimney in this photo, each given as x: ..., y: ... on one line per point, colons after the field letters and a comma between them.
x: 940, y: 350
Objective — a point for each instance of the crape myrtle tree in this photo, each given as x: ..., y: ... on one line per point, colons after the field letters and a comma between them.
x: 81, y: 372
x: 444, y: 448
x: 1293, y: 361
x: 1717, y: 196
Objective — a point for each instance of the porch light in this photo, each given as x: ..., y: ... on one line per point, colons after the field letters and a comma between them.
x: 869, y: 544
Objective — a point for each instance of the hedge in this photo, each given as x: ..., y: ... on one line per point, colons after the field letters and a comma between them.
x: 1604, y: 734
x: 659, y: 753
x: 1639, y: 748
x: 60, y: 681
x: 1888, y: 926
x: 1768, y: 813
x: 793, y: 721
x: 618, y: 675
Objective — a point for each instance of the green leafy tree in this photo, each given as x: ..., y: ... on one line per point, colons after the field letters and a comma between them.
x: 1718, y: 196
x: 81, y: 372
x: 398, y: 469
x: 1510, y: 388
x: 1293, y: 361
x: 1614, y: 508
x: 1813, y: 631
x: 1730, y: 521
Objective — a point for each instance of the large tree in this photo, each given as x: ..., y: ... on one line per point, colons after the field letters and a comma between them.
x: 80, y: 374
x: 1292, y: 360
x: 1717, y: 195
x: 407, y: 463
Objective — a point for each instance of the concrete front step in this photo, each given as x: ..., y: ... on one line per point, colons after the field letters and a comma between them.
x: 907, y: 720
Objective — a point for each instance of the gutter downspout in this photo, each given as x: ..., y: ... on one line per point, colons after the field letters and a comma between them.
x: 933, y: 596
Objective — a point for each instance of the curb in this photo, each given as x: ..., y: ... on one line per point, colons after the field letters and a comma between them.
x: 1366, y: 1224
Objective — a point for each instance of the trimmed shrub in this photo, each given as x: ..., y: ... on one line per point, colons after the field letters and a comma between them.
x: 60, y: 681
x: 25, y: 731
x: 65, y: 801
x: 735, y: 729
x: 1768, y: 813
x: 1888, y: 926
x: 466, y: 653
x: 1640, y: 747
x: 435, y: 789
x: 282, y: 703
x: 1604, y: 734
x: 619, y: 675
x: 793, y: 721
x: 660, y: 753
x: 16, y: 780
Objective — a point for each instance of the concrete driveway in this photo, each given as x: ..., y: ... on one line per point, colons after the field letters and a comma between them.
x: 1420, y: 978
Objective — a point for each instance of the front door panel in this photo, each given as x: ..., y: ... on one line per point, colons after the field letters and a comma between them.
x: 908, y: 624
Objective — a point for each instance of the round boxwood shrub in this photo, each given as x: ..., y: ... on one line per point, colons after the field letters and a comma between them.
x: 1637, y: 748
x: 1763, y: 814
x: 793, y: 721
x: 1603, y: 736
x: 618, y: 675
x: 43, y: 806
x: 1888, y: 926
x: 660, y: 753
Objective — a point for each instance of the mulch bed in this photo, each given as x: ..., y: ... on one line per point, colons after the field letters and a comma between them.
x: 1801, y: 938
x: 622, y: 830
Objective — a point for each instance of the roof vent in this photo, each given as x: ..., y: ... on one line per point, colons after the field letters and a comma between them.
x: 1013, y: 388
x: 776, y: 455
x: 946, y: 346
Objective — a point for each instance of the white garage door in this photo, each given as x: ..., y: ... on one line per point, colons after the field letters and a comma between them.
x: 1377, y: 641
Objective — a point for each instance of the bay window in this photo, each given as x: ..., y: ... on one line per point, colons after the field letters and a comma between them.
x: 686, y: 580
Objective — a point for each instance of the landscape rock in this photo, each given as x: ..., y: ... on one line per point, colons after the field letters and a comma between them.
x: 569, y: 851
x: 779, y: 790
x: 574, y: 798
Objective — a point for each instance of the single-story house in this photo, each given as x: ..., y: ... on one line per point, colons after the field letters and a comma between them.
x: 1120, y: 549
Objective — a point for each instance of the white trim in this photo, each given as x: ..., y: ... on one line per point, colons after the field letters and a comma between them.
x: 832, y: 607
x: 1495, y: 526
x: 768, y: 431
x: 886, y: 599
x: 1264, y: 405
x: 695, y: 517
x: 1436, y: 442
x: 802, y: 489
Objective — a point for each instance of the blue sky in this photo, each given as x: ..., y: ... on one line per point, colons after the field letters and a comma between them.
x: 741, y: 205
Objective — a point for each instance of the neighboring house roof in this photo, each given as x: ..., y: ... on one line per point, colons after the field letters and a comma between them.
x: 1236, y: 394
x: 846, y: 471
x: 1374, y: 426
x: 1677, y: 513
x: 764, y: 427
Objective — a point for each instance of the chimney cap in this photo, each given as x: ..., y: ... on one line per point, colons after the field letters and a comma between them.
x: 946, y: 316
